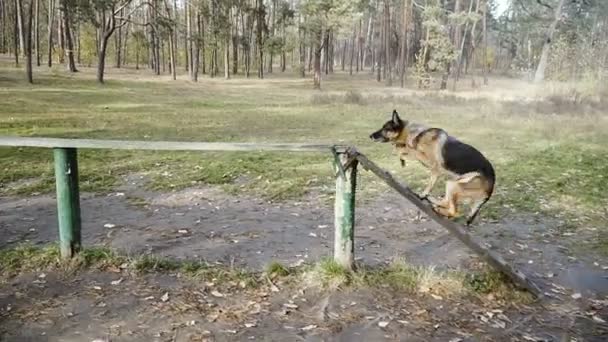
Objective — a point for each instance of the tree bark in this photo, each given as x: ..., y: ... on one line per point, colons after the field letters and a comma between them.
x: 485, y: 42
x: 187, y: 40
x: 69, y: 51
x: 60, y: 36
x: 404, y: 42
x: 37, y: 31
x: 461, y: 53
x: 352, y: 52
x: 544, y: 56
x: 20, y: 25
x: 318, y: 47
x: 387, y: 44
x: 101, y: 59
x: 16, y: 39
x: 197, y: 51
x: 118, y: 45
x: 28, y: 43
x: 227, y: 58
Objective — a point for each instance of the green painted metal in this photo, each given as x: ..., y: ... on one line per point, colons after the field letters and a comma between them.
x: 344, y: 211
x: 68, y: 201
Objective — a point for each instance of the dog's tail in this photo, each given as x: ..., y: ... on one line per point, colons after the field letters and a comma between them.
x: 490, y: 179
x: 475, y: 210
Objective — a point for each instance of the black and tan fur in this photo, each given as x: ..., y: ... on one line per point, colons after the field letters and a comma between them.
x: 470, y: 175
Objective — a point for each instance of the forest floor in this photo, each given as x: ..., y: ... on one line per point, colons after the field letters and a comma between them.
x: 216, y: 221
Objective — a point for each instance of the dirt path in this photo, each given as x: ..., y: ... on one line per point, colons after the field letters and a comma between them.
x: 119, y: 307
x: 207, y: 224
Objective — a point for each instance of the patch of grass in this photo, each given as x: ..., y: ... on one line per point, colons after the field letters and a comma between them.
x: 398, y: 276
x: 276, y: 269
x: 353, y: 97
x: 150, y: 263
x: 327, y: 274
x: 28, y: 258
x: 495, y: 284
x: 545, y: 163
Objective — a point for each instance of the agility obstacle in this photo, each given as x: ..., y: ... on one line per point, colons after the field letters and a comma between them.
x: 345, y: 162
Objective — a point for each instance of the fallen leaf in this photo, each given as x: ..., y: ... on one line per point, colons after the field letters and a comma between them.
x: 598, y: 319
x: 290, y: 306
x: 251, y: 325
x: 383, y: 324
x: 109, y: 225
x: 576, y: 295
x: 98, y: 288
x: 217, y: 294
x: 116, y: 282
x: 312, y: 234
x: 183, y: 231
x: 309, y: 327
x: 165, y: 297
x: 436, y: 297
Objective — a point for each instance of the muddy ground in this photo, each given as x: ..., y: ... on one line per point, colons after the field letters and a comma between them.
x: 207, y: 224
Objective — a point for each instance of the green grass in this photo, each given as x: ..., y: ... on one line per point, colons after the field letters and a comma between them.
x: 553, y: 164
x: 327, y: 274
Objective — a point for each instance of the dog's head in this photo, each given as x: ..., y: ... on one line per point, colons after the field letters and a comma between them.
x: 391, y: 130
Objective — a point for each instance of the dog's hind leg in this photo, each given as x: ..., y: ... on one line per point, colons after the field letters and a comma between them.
x: 448, y: 206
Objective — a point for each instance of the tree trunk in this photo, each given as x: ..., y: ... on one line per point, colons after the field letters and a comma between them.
x: 369, y: 40
x: 317, y: 47
x: 188, y: 40
x: 227, y: 58
x: 16, y: 39
x: 125, y: 49
x: 101, y: 60
x: 118, y: 44
x: 404, y: 43
x: 61, y: 38
x: 359, y: 45
x: 302, y: 48
x: 352, y: 52
x: 343, y: 57
x: 172, y: 56
x: 20, y: 25
x: 71, y: 66
x: 28, y: 43
x: 387, y: 44
x: 197, y: 51
x: 37, y: 31
x: 461, y: 53
x: 485, y: 42
x: 235, y: 51
x: 544, y: 56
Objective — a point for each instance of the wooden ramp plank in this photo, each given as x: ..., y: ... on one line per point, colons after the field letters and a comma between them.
x: 459, y: 231
x: 157, y: 145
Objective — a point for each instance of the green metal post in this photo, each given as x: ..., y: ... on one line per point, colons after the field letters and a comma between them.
x: 344, y: 212
x: 68, y: 200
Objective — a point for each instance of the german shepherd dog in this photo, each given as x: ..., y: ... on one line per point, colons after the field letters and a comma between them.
x: 470, y: 175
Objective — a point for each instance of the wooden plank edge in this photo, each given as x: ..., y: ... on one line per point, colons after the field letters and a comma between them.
x: 158, y: 145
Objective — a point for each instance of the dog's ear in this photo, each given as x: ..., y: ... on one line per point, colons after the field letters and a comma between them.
x: 396, y: 118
